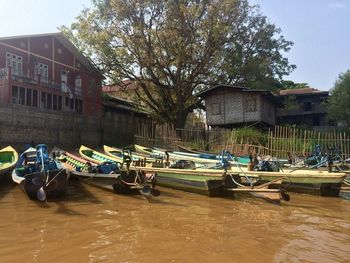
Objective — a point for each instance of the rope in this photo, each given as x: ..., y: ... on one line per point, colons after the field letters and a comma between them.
x: 54, y: 177
x: 241, y: 185
x: 346, y: 182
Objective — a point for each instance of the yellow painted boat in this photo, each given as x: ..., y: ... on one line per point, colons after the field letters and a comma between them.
x: 142, y: 149
x: 8, y: 159
x: 118, y: 153
x: 97, y: 157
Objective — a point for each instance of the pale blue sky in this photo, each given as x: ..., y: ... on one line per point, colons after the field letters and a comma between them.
x: 320, y: 30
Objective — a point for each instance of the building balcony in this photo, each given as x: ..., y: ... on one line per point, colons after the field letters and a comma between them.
x: 317, y: 109
x: 5, y: 74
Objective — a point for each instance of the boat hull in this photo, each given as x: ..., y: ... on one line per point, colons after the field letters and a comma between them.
x: 31, y: 183
x: 195, y: 184
x: 110, y: 182
x: 323, y: 183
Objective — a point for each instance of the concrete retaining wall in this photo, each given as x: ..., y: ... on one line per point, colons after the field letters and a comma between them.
x: 20, y: 125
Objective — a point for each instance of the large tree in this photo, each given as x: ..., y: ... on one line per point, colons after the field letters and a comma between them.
x: 339, y: 101
x: 170, y: 47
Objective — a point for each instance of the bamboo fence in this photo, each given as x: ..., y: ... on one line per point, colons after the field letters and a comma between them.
x: 299, y: 142
x: 279, y: 141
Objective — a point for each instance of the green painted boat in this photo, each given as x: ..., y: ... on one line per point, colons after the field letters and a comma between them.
x: 97, y: 157
x: 305, y: 181
x: 89, y: 170
x: 207, y: 185
x: 212, y: 183
x: 119, y: 153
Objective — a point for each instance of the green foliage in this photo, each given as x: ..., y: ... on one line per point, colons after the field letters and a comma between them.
x: 170, y: 47
x: 251, y: 135
x: 339, y: 101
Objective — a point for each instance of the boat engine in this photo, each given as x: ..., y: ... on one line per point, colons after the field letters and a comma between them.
x: 265, y: 166
x: 183, y: 164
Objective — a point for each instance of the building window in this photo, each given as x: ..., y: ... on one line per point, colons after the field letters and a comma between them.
x: 71, y: 104
x: 54, y: 102
x: 35, y: 98
x: 216, y: 108
x: 15, y: 62
x: 78, y: 90
x: 49, y: 101
x: 316, y: 121
x: 59, y: 103
x: 41, y: 70
x: 15, y: 93
x: 29, y: 97
x: 80, y: 106
x: 66, y: 103
x: 22, y: 96
x: 250, y: 103
x: 43, y: 100
x: 307, y: 106
x: 64, y: 81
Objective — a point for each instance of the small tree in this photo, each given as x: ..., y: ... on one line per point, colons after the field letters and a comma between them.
x: 339, y: 101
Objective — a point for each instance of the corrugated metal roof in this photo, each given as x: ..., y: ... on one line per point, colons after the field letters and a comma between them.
x: 266, y: 93
x: 303, y: 91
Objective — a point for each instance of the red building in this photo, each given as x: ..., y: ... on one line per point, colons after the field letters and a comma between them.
x: 47, y: 71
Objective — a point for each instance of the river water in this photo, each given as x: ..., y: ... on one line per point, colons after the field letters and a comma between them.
x: 93, y: 225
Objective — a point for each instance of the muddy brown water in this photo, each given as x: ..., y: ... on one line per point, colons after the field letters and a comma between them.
x: 93, y: 225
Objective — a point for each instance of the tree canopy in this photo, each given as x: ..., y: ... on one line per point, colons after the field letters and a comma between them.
x: 339, y: 101
x: 170, y: 47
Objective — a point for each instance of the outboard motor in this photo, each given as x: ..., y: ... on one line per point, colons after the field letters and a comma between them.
x: 183, y: 164
x: 265, y: 166
x: 43, y: 160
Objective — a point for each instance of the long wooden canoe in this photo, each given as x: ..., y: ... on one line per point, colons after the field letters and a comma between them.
x: 201, y: 160
x: 209, y: 184
x: 96, y: 157
x: 8, y: 159
x: 153, y: 152
x: 118, y: 153
x: 123, y: 182
x: 322, y: 182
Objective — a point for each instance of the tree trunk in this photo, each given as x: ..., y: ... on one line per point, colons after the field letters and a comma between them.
x: 180, y: 121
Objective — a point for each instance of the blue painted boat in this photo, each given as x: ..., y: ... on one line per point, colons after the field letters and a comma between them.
x: 40, y: 176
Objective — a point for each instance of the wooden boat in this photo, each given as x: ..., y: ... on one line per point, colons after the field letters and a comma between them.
x: 305, y: 181
x: 215, y: 183
x: 39, y: 176
x: 192, y: 150
x: 196, y: 181
x: 142, y: 149
x: 130, y: 178
x: 203, y: 160
x: 108, y: 176
x: 156, y: 153
x: 8, y: 159
x: 242, y: 160
x: 97, y: 157
x: 120, y: 153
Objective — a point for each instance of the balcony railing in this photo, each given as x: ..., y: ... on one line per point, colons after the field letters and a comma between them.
x: 24, y: 79
x: 43, y: 82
